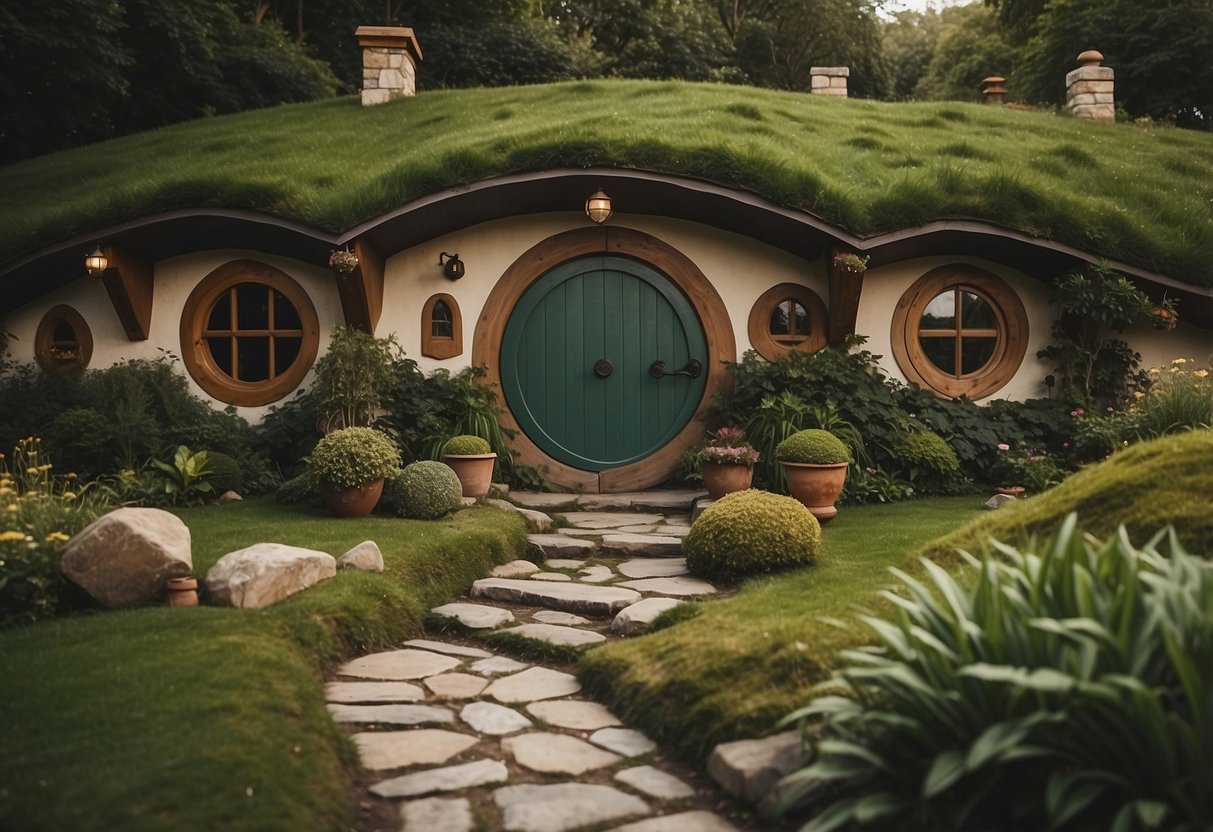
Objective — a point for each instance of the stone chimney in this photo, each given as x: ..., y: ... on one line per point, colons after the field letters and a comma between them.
x: 829, y: 80
x: 389, y: 63
x: 1089, y: 89
x: 994, y: 91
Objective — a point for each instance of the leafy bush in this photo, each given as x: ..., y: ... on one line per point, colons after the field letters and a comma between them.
x: 1180, y: 398
x: 871, y: 485
x: 225, y: 473
x: 424, y: 490
x: 186, y: 478
x: 353, y: 457
x: 353, y: 377
x: 1067, y: 689
x: 748, y: 532
x: 813, y: 447
x: 925, y: 459
x: 302, y: 490
x: 466, y: 445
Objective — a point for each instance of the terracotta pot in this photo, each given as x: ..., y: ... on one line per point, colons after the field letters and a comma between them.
x: 721, y: 478
x: 182, y: 592
x: 359, y: 501
x: 816, y: 486
x: 475, y: 472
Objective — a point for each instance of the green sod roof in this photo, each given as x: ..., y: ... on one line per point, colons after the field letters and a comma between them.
x: 1141, y: 196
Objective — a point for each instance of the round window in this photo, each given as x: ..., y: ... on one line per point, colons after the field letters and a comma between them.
x: 787, y: 317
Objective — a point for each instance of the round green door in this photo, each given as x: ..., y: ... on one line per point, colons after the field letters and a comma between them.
x: 602, y: 362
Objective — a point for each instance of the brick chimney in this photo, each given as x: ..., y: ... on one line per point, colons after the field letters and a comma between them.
x: 389, y: 63
x: 1089, y: 89
x: 829, y: 80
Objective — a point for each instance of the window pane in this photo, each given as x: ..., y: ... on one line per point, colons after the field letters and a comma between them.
x: 286, y: 350
x: 252, y: 306
x: 63, y: 332
x: 976, y: 313
x: 779, y: 320
x: 941, y: 352
x: 441, y: 325
x: 940, y: 312
x: 802, y: 320
x: 975, y: 353
x: 221, y: 352
x: 285, y: 314
x: 253, y: 358
x: 221, y: 314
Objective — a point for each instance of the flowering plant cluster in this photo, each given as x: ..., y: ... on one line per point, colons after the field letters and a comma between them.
x: 1164, y: 317
x: 342, y: 260
x: 1029, y: 468
x: 850, y: 263
x: 728, y: 446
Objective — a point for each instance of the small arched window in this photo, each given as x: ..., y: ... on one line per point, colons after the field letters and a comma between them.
x: 441, y: 327
x: 787, y: 317
x: 63, y: 340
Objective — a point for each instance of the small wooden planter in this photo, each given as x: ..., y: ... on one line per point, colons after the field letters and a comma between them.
x: 816, y: 486
x: 475, y: 472
x: 359, y: 501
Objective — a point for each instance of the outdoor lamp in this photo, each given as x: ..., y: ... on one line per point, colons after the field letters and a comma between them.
x: 96, y: 263
x: 452, y: 266
x: 598, y: 207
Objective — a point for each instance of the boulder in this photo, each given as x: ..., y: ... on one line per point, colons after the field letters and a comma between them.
x: 998, y: 501
x: 364, y: 557
x: 266, y: 573
x: 125, y: 557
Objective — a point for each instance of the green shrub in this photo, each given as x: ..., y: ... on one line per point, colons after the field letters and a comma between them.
x: 425, y: 490
x: 353, y: 457
x: 925, y: 459
x: 225, y: 473
x: 186, y: 479
x: 302, y: 490
x: 1067, y: 689
x: 353, y: 377
x: 813, y: 447
x: 466, y: 445
x: 748, y: 532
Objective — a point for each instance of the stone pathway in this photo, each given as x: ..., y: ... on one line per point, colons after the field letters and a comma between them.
x: 454, y: 737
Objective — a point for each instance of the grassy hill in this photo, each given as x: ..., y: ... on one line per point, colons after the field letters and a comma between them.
x: 1144, y: 196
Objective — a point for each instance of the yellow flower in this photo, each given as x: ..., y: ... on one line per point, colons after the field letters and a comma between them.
x: 1179, y: 361
x: 57, y: 537
x: 1137, y: 394
x: 1154, y: 371
x: 69, y: 495
x: 10, y: 535
x: 1201, y: 374
x: 14, y: 508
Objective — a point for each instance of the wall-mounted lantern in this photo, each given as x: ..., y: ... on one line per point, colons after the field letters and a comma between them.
x: 452, y: 266
x: 598, y: 207
x: 96, y: 263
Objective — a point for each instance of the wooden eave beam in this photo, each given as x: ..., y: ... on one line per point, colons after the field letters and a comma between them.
x: 361, y: 290
x: 129, y: 282
x: 845, y: 291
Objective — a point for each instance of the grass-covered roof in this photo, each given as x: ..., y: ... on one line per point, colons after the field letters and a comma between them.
x: 1141, y: 196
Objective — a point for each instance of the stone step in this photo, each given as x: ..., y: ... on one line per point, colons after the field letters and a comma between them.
x: 641, y: 545
x: 672, y: 501
x: 557, y: 634
x: 561, y: 545
x: 594, y: 601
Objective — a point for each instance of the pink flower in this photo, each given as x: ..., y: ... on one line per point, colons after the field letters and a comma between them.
x: 1065, y: 444
x: 1003, y: 446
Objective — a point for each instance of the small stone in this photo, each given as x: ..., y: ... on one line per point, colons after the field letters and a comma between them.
x: 749, y: 768
x: 495, y: 720
x: 698, y: 820
x: 495, y: 665
x: 364, y: 557
x: 555, y: 617
x: 998, y: 501
x: 680, y: 586
x: 556, y: 753
x: 640, y: 616
x: 352, y: 693
x: 532, y: 685
x: 557, y: 577
x: 575, y: 714
x: 475, y: 616
x: 391, y: 714
x: 536, y: 521
x: 641, y: 544
x: 653, y: 567
x: 598, y: 601
x: 450, y: 649
x: 456, y: 685
x: 379, y: 750
x: 626, y: 741
x: 656, y: 783
x: 558, y: 545
x: 398, y: 665
x: 229, y: 497
x: 564, y: 806
x: 556, y: 634
x: 565, y: 563
x: 514, y: 569
x: 437, y: 814
x: 449, y: 779
x: 595, y: 574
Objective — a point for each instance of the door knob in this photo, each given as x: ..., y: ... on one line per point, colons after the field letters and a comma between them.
x: 603, y: 367
x: 692, y: 369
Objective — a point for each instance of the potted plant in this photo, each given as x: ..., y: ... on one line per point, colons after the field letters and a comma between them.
x: 727, y: 462
x: 349, y: 465
x: 815, y: 464
x: 343, y: 261
x: 471, y: 458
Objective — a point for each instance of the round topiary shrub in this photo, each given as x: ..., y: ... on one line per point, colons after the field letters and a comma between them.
x: 466, y: 445
x: 925, y: 450
x: 353, y: 457
x: 812, y: 447
x: 751, y: 531
x: 425, y: 490
x: 225, y: 473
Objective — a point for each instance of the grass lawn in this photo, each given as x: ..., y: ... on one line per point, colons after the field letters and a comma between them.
x: 1142, y: 196
x: 742, y: 664
x: 210, y: 718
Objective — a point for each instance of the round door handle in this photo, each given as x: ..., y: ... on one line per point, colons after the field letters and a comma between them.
x: 603, y: 367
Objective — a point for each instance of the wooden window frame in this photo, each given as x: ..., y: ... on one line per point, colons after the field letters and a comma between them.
x: 196, y: 354
x: 760, y: 320
x: 44, y: 339
x: 433, y: 346
x: 1011, y: 339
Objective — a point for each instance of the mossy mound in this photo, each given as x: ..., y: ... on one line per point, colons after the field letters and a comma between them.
x: 812, y: 447
x: 424, y: 490
x: 926, y: 451
x: 1166, y: 481
x: 748, y: 532
x: 466, y: 445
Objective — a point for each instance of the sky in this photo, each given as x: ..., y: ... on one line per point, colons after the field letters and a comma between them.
x: 922, y: 5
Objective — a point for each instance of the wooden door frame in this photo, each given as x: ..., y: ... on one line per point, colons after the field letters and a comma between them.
x: 653, y: 252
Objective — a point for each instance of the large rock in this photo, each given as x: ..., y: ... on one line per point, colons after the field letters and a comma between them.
x: 266, y: 573
x: 749, y: 768
x: 365, y: 557
x: 125, y: 557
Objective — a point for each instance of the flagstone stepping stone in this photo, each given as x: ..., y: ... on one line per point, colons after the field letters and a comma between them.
x: 672, y: 531
x: 448, y: 779
x: 626, y: 741
x: 565, y: 563
x: 456, y: 685
x: 379, y: 750
x: 557, y: 753
x: 532, y: 685
x: 699, y: 820
x: 557, y: 545
x: 605, y: 502
x: 656, y: 783
x: 608, y: 519
x: 430, y: 814
x: 653, y: 567
x: 391, y: 714
x: 679, y: 586
x: 595, y: 601
x: 556, y: 577
x: 679, y: 520
x: 749, y: 768
x: 444, y: 647
x: 564, y: 806
x: 557, y: 617
x: 643, y: 528
x: 556, y: 634
x: 475, y: 616
x: 595, y: 574
x: 640, y: 616
x: 651, y: 545
x: 495, y: 665
x: 589, y: 534
x: 543, y: 500
x: 398, y: 665
x: 372, y: 692
x: 492, y: 719
x: 576, y: 714
x: 514, y: 569
x: 536, y: 521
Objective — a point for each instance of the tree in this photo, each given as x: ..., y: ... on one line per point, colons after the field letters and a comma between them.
x: 972, y: 46
x: 909, y: 43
